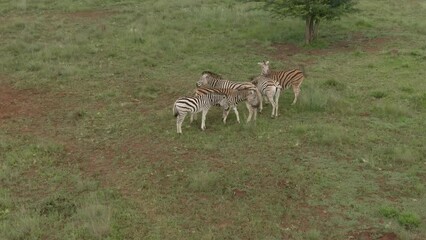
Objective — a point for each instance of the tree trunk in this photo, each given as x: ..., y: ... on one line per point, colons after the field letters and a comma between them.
x: 316, y: 28
x: 309, y: 29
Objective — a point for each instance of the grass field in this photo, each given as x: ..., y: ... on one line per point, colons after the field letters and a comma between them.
x: 88, y: 143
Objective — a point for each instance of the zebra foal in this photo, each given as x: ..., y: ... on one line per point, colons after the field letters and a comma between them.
x: 185, y: 105
x: 293, y: 78
x: 213, y: 80
x: 248, y: 95
x: 271, y: 90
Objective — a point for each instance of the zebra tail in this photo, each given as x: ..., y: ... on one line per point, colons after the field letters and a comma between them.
x: 175, y: 112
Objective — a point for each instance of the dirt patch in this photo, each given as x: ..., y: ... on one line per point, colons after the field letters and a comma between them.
x: 284, y: 51
x: 15, y: 103
x: 371, y: 234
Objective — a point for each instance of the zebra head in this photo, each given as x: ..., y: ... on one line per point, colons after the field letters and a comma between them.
x: 207, y: 78
x: 265, y: 67
x: 224, y: 103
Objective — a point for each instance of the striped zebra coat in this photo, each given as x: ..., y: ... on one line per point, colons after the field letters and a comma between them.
x: 248, y: 95
x: 213, y: 80
x: 271, y: 90
x: 185, y: 105
x: 293, y: 78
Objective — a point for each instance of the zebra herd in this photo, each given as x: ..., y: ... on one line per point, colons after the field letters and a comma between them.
x: 213, y: 90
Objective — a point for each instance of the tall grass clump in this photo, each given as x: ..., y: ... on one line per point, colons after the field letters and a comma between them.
x: 22, y: 224
x: 93, y: 218
x: 313, y: 99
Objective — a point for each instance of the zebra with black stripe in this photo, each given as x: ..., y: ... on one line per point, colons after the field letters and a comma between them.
x: 185, y: 105
x: 213, y: 80
x: 293, y: 78
x: 271, y: 90
x: 249, y: 95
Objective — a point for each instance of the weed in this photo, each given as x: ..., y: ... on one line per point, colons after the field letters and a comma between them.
x: 389, y: 212
x: 331, y: 83
x: 378, y: 94
x: 409, y: 220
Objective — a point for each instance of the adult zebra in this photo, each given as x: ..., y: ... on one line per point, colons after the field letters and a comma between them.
x: 248, y: 95
x: 271, y: 90
x: 185, y: 105
x: 213, y: 80
x: 293, y: 78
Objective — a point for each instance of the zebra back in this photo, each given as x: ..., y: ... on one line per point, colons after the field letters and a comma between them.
x: 206, y: 90
x: 265, y: 84
x: 213, y: 80
x: 288, y: 78
x: 197, y: 103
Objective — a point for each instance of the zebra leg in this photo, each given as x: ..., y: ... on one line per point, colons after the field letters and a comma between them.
x: 193, y: 116
x: 236, y: 113
x: 266, y: 100
x: 250, y: 109
x: 271, y: 99
x: 296, y: 90
x: 203, y: 119
x: 179, y: 121
x: 277, y: 98
x: 225, y: 115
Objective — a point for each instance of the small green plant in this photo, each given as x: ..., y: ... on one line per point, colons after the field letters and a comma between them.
x: 409, y: 220
x: 388, y: 212
x: 331, y: 83
x: 378, y: 94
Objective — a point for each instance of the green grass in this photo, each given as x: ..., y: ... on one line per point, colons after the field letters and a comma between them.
x: 88, y: 143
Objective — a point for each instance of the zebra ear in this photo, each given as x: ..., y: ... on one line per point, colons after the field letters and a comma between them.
x: 267, y: 62
x: 260, y: 63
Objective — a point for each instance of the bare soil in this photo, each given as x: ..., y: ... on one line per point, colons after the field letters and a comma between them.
x: 357, y: 41
x: 15, y: 103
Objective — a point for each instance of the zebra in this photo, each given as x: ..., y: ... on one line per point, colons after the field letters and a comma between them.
x: 249, y: 95
x: 286, y: 79
x: 213, y: 80
x: 185, y: 105
x: 271, y: 90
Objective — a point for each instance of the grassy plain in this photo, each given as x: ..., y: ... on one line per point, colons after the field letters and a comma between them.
x: 88, y: 143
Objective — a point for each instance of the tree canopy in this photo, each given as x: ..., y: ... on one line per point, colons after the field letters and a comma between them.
x: 312, y: 11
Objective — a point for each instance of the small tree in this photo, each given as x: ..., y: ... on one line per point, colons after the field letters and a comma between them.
x: 312, y: 11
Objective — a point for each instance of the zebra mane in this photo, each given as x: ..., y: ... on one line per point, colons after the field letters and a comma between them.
x: 214, y: 75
